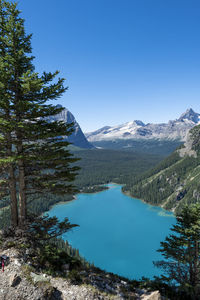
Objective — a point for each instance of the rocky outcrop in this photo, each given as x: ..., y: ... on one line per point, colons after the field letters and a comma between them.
x: 20, y: 282
x: 14, y: 283
x: 15, y: 279
x: 77, y: 138
x: 188, y: 147
x: 152, y: 296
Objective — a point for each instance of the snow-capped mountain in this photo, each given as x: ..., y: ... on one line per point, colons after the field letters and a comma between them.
x: 173, y: 130
x: 77, y: 138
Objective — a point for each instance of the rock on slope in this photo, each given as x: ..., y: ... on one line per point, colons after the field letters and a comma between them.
x: 20, y: 282
x: 176, y: 180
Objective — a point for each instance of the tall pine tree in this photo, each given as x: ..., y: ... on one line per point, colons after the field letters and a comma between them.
x: 33, y: 152
x: 182, y: 252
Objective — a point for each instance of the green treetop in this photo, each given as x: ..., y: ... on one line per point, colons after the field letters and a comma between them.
x: 182, y: 252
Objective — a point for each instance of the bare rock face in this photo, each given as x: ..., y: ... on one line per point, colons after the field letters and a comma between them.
x: 187, y: 150
x: 38, y: 278
x: 77, y: 138
x: 152, y: 296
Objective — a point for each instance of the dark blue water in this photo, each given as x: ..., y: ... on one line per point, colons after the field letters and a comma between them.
x: 117, y: 233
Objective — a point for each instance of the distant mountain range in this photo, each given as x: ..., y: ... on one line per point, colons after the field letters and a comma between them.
x: 135, y: 135
x: 77, y: 138
x: 137, y: 130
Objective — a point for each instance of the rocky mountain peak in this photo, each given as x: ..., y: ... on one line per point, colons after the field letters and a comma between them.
x: 77, y: 138
x: 136, y: 122
x: 65, y: 115
x: 175, y: 130
x: 190, y: 115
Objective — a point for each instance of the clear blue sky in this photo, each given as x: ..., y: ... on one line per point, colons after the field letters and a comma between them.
x: 122, y: 59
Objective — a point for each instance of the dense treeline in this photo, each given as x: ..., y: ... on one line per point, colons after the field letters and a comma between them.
x: 164, y: 164
x: 100, y: 166
x: 152, y: 146
x: 157, y: 188
x: 37, y: 204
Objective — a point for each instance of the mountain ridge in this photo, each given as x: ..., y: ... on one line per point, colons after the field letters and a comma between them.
x: 173, y: 130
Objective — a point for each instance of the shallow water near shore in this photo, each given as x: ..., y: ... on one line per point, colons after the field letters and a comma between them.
x: 117, y: 233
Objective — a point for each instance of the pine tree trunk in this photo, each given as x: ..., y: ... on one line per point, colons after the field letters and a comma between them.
x: 12, y: 186
x: 13, y: 198
x: 21, y: 169
x: 22, y: 183
x: 22, y: 194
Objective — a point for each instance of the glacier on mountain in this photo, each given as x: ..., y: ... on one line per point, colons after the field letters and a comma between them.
x: 173, y: 130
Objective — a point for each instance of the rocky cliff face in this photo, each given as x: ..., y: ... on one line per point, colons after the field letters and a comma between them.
x: 77, y: 138
x: 173, y: 130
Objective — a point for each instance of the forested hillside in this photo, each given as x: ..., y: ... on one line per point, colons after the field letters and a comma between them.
x: 175, y: 181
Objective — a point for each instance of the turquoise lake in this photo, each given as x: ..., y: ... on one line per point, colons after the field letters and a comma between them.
x: 117, y: 233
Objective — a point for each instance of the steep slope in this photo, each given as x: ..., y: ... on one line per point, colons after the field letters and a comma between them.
x: 77, y: 138
x: 21, y: 281
x: 173, y: 130
x: 176, y: 180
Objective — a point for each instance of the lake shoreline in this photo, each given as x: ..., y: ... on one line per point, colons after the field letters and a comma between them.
x: 114, y: 229
x: 74, y: 197
x: 143, y: 201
